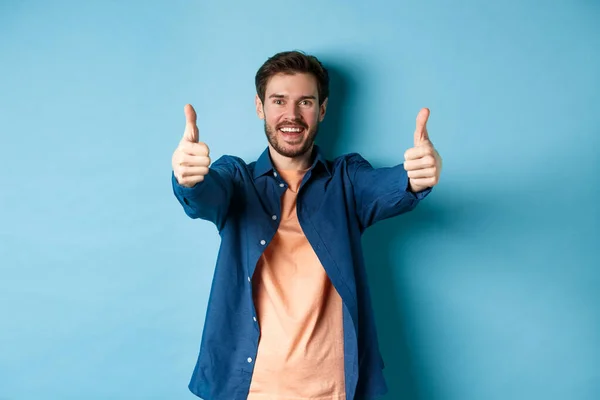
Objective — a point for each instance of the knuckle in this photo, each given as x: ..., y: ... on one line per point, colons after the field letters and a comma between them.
x: 200, y: 149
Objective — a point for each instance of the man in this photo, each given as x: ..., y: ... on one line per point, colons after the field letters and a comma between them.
x: 289, y: 314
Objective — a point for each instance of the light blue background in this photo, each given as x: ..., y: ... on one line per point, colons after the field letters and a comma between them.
x: 489, y: 290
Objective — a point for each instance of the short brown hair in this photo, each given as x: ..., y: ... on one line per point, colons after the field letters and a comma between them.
x: 292, y: 62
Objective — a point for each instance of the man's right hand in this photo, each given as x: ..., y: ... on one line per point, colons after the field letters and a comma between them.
x: 191, y: 159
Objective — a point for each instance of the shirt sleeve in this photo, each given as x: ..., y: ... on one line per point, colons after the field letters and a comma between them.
x: 210, y: 199
x: 381, y: 193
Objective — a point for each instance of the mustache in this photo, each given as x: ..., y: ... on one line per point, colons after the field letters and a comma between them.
x: 296, y: 122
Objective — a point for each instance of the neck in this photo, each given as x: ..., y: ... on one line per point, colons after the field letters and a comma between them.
x: 282, y: 162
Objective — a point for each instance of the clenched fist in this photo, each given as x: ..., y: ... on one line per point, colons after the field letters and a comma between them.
x: 191, y: 159
x: 422, y: 162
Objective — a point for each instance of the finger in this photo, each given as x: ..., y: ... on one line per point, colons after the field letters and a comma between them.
x: 190, y: 181
x: 424, y: 182
x: 420, y: 163
x: 194, y: 161
x: 194, y: 171
x: 194, y: 149
x: 418, y: 152
x: 190, y: 133
x: 421, y: 173
x: 421, y: 135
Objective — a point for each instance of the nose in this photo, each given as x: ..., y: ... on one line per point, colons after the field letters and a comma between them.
x: 292, y: 111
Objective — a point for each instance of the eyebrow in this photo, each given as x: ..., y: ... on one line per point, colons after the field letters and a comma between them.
x: 281, y: 96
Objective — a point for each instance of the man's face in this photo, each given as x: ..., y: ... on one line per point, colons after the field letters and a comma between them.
x: 291, y: 112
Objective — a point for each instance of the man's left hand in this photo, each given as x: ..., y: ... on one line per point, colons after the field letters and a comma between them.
x: 422, y: 162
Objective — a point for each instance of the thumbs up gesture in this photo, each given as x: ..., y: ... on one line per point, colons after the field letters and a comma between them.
x: 422, y: 162
x: 190, y: 159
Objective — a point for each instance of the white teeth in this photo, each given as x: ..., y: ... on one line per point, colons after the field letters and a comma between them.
x: 291, y: 130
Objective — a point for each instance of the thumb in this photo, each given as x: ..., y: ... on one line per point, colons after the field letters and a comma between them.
x: 421, y: 134
x: 190, y: 133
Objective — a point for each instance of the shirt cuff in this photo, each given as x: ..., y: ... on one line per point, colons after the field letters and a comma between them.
x: 418, y: 195
x: 183, y: 190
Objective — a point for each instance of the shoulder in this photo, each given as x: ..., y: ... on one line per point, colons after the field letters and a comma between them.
x: 348, y: 158
x: 234, y: 164
x: 228, y: 159
x: 229, y: 164
x: 349, y: 161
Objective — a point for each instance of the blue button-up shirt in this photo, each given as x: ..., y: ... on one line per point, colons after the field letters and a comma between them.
x: 337, y: 200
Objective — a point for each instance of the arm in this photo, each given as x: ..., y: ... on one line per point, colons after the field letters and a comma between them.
x: 386, y: 192
x: 210, y: 198
x: 381, y: 193
x: 203, y: 190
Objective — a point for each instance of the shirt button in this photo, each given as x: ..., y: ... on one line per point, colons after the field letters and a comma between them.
x: 263, y: 242
x: 281, y: 185
x: 248, y: 279
x: 274, y: 173
x: 274, y: 217
x: 249, y: 359
x: 254, y: 318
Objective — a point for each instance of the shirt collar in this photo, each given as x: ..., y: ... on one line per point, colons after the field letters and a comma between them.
x: 264, y: 164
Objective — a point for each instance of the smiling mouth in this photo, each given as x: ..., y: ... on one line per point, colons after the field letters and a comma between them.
x: 291, y: 130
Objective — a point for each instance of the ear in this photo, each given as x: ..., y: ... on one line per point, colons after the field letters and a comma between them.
x: 322, y: 110
x: 259, y: 107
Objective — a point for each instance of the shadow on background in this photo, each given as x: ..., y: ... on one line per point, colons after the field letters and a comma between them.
x: 382, y: 243
x: 406, y: 376
x: 342, y: 88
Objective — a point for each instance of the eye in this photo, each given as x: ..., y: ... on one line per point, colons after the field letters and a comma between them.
x: 278, y: 101
x: 305, y: 102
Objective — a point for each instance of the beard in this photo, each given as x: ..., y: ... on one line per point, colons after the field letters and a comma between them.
x: 280, y: 146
